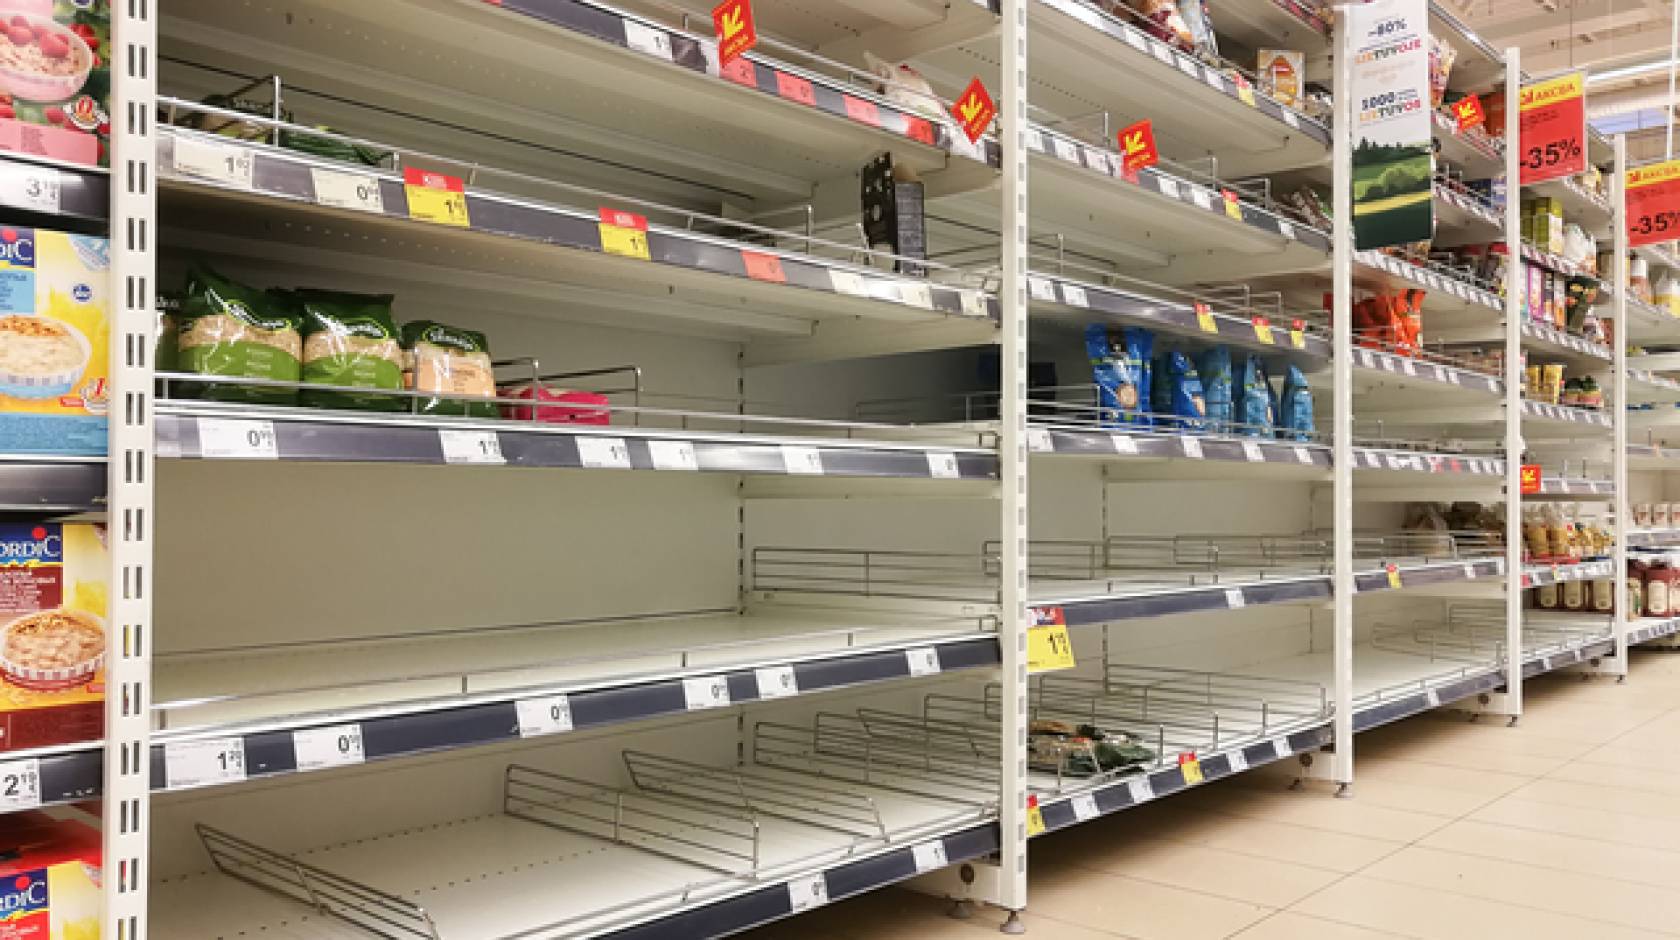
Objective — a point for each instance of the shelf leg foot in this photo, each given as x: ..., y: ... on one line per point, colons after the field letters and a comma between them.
x: 1013, y: 925
x: 1621, y: 678
x: 1513, y: 722
x: 1297, y: 783
x: 961, y: 909
x: 1344, y: 791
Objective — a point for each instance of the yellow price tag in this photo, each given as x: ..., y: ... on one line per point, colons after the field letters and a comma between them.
x: 1393, y: 577
x: 435, y: 197
x: 1246, y: 95
x: 1233, y: 205
x: 1049, y: 648
x: 1192, y: 770
x: 1263, y: 331
x: 1035, y: 818
x: 1298, y: 339
x: 624, y: 234
x: 1204, y: 319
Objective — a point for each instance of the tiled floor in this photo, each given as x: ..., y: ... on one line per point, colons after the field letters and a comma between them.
x: 1567, y: 826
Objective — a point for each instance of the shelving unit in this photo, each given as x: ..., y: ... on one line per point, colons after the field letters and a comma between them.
x: 753, y: 630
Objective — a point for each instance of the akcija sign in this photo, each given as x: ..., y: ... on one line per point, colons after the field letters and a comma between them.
x: 1653, y: 203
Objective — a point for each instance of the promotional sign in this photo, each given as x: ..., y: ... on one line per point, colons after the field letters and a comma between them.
x: 1392, y: 138
x: 1653, y: 203
x: 1528, y: 478
x: 1552, y: 116
x: 974, y: 110
x: 1049, y: 647
x: 1468, y: 112
x: 733, y: 22
x: 1137, y: 147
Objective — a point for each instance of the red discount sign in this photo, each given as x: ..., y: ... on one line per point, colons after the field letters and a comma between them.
x: 1653, y: 203
x: 974, y: 109
x: 733, y: 21
x: 1552, y: 116
x: 1468, y: 112
x: 1528, y: 478
x: 1137, y: 147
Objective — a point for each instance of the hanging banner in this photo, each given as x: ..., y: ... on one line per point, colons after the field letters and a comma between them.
x: 1467, y: 111
x: 736, y: 31
x: 1392, y: 137
x: 974, y: 110
x: 1653, y: 203
x: 1552, y: 116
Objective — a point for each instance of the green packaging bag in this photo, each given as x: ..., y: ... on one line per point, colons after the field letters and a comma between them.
x: 228, y: 328
x: 350, y: 339
x: 450, y: 361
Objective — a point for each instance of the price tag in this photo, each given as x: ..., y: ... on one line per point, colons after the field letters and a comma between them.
x: 1124, y: 445
x: 358, y: 191
x: 1192, y: 770
x: 1049, y: 649
x: 776, y: 682
x: 1212, y: 79
x: 237, y: 439
x: 1290, y: 118
x: 1234, y: 599
x: 1205, y: 320
x: 1246, y: 96
x: 1285, y: 229
x: 1035, y: 141
x: 673, y: 455
x: 624, y: 234
x: 1035, y: 818
x: 1133, y: 39
x: 917, y: 295
x: 923, y: 661
x: 801, y: 460
x: 1074, y: 296
x: 435, y: 197
x: 203, y: 762
x: 467, y: 446
x: 26, y: 187
x: 320, y: 748
x: 1065, y: 149
x: 1233, y: 205
x: 973, y: 303
x: 1365, y: 358
x: 705, y: 692
x: 1469, y: 572
x: 1140, y: 790
x: 1097, y: 160
x: 643, y: 38
x: 1408, y: 367
x: 1432, y: 698
x: 1303, y: 455
x: 221, y: 163
x: 1280, y: 747
x: 1263, y: 331
x: 1169, y: 188
x: 1192, y: 447
x: 1393, y: 576
x: 1298, y: 337
x: 1252, y: 452
x: 545, y: 714
x: 943, y: 466
x: 1039, y: 441
x: 1041, y: 289
x: 1201, y: 197
x: 1084, y: 806
x: 20, y: 784
x: 604, y: 453
x: 1161, y: 53
x: 845, y: 282
x: 930, y: 856
x: 808, y: 892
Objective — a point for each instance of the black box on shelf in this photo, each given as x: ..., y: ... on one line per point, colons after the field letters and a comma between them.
x: 893, y: 217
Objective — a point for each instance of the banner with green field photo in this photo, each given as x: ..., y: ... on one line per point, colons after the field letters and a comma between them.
x: 1391, y: 130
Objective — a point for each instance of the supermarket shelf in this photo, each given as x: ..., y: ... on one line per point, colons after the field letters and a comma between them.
x: 1130, y: 444
x: 423, y: 693
x: 1658, y: 255
x: 1653, y: 537
x: 1286, y: 24
x: 1479, y: 66
x: 1652, y: 324
x: 1540, y: 575
x: 1577, y: 352
x: 60, y: 194
x: 1645, y: 386
x: 215, y: 431
x: 39, y: 483
x: 1550, y: 261
x: 1580, y: 205
x: 1574, y: 487
x: 1450, y: 297
x: 1473, y: 151
x: 1653, y: 456
x: 1419, y: 373
x: 1464, y: 217
x: 1646, y: 629
x: 1561, y: 416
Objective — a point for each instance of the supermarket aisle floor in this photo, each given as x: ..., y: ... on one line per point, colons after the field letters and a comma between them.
x: 1566, y: 826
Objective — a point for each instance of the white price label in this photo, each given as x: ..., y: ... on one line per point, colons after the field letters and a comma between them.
x: 223, y: 163
x: 673, y: 455
x: 1124, y: 444
x: 943, y: 466
x: 206, y: 761
x: 1303, y: 455
x: 1201, y: 197
x: 845, y: 282
x: 1039, y: 442
x: 1237, y: 760
x: 930, y: 856
x: 237, y: 439
x: 545, y: 714
x: 1212, y: 78
x: 1041, y: 289
x: 1035, y: 141
x: 470, y: 447
x: 1234, y: 598
x: 1188, y: 67
x: 1365, y: 358
x: 1065, y: 149
x: 1084, y: 806
x: 917, y: 295
x: 1161, y: 53
x: 1286, y: 230
x: 705, y: 692
x: 1133, y: 39
x: 654, y: 42
x: 20, y: 784
x: 357, y: 191
x: 1074, y: 296
x: 1169, y: 188
x: 1280, y: 747
x: 1441, y: 375
x: 1192, y: 447
x: 1373, y: 459
x: 801, y: 460
x: 1140, y: 790
x: 1469, y: 572
x: 1252, y: 452
x: 320, y: 748
x: 26, y: 187
x: 1409, y: 367
x: 1433, y: 698
x: 808, y: 892
x: 923, y: 661
x: 973, y: 303
x: 1290, y: 118
x: 604, y: 453
x: 1097, y: 160
x: 776, y: 682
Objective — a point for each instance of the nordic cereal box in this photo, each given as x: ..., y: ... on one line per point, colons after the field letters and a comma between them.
x: 49, y: 878
x: 55, y: 335
x: 54, y: 594
x: 55, y: 79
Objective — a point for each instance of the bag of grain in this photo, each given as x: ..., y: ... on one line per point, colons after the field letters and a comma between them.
x: 452, y: 363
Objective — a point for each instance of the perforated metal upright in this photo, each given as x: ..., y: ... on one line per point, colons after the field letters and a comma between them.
x: 1342, y: 409
x: 127, y: 774
x: 1510, y: 703
x: 1620, y: 339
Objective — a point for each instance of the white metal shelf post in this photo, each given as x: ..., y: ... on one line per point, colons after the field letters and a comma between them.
x: 1511, y: 702
x: 1013, y: 456
x: 1342, y: 410
x: 1618, y: 400
x: 133, y: 234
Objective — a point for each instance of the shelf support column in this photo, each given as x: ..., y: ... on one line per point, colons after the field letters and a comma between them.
x: 1342, y: 408
x: 1623, y: 334
x: 1012, y: 446
x: 131, y: 516
x: 1511, y: 704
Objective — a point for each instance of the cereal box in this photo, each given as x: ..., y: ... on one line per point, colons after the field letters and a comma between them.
x: 49, y: 878
x: 55, y: 79
x: 55, y: 335
x: 53, y: 600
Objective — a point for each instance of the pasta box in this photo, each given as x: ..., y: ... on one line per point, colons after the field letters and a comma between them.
x: 55, y: 336
x: 54, y: 594
x: 55, y: 79
x: 49, y: 878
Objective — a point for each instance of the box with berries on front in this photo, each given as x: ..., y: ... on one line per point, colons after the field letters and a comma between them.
x: 55, y: 79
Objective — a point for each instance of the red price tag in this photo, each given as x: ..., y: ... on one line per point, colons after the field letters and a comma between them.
x: 1047, y: 616
x: 1468, y: 112
x: 733, y: 21
x: 1528, y: 478
x: 1137, y: 147
x: 974, y: 109
x: 1553, y: 118
x: 741, y: 72
x: 1653, y: 203
x: 794, y: 88
x: 861, y: 111
x: 917, y: 128
x: 763, y: 267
